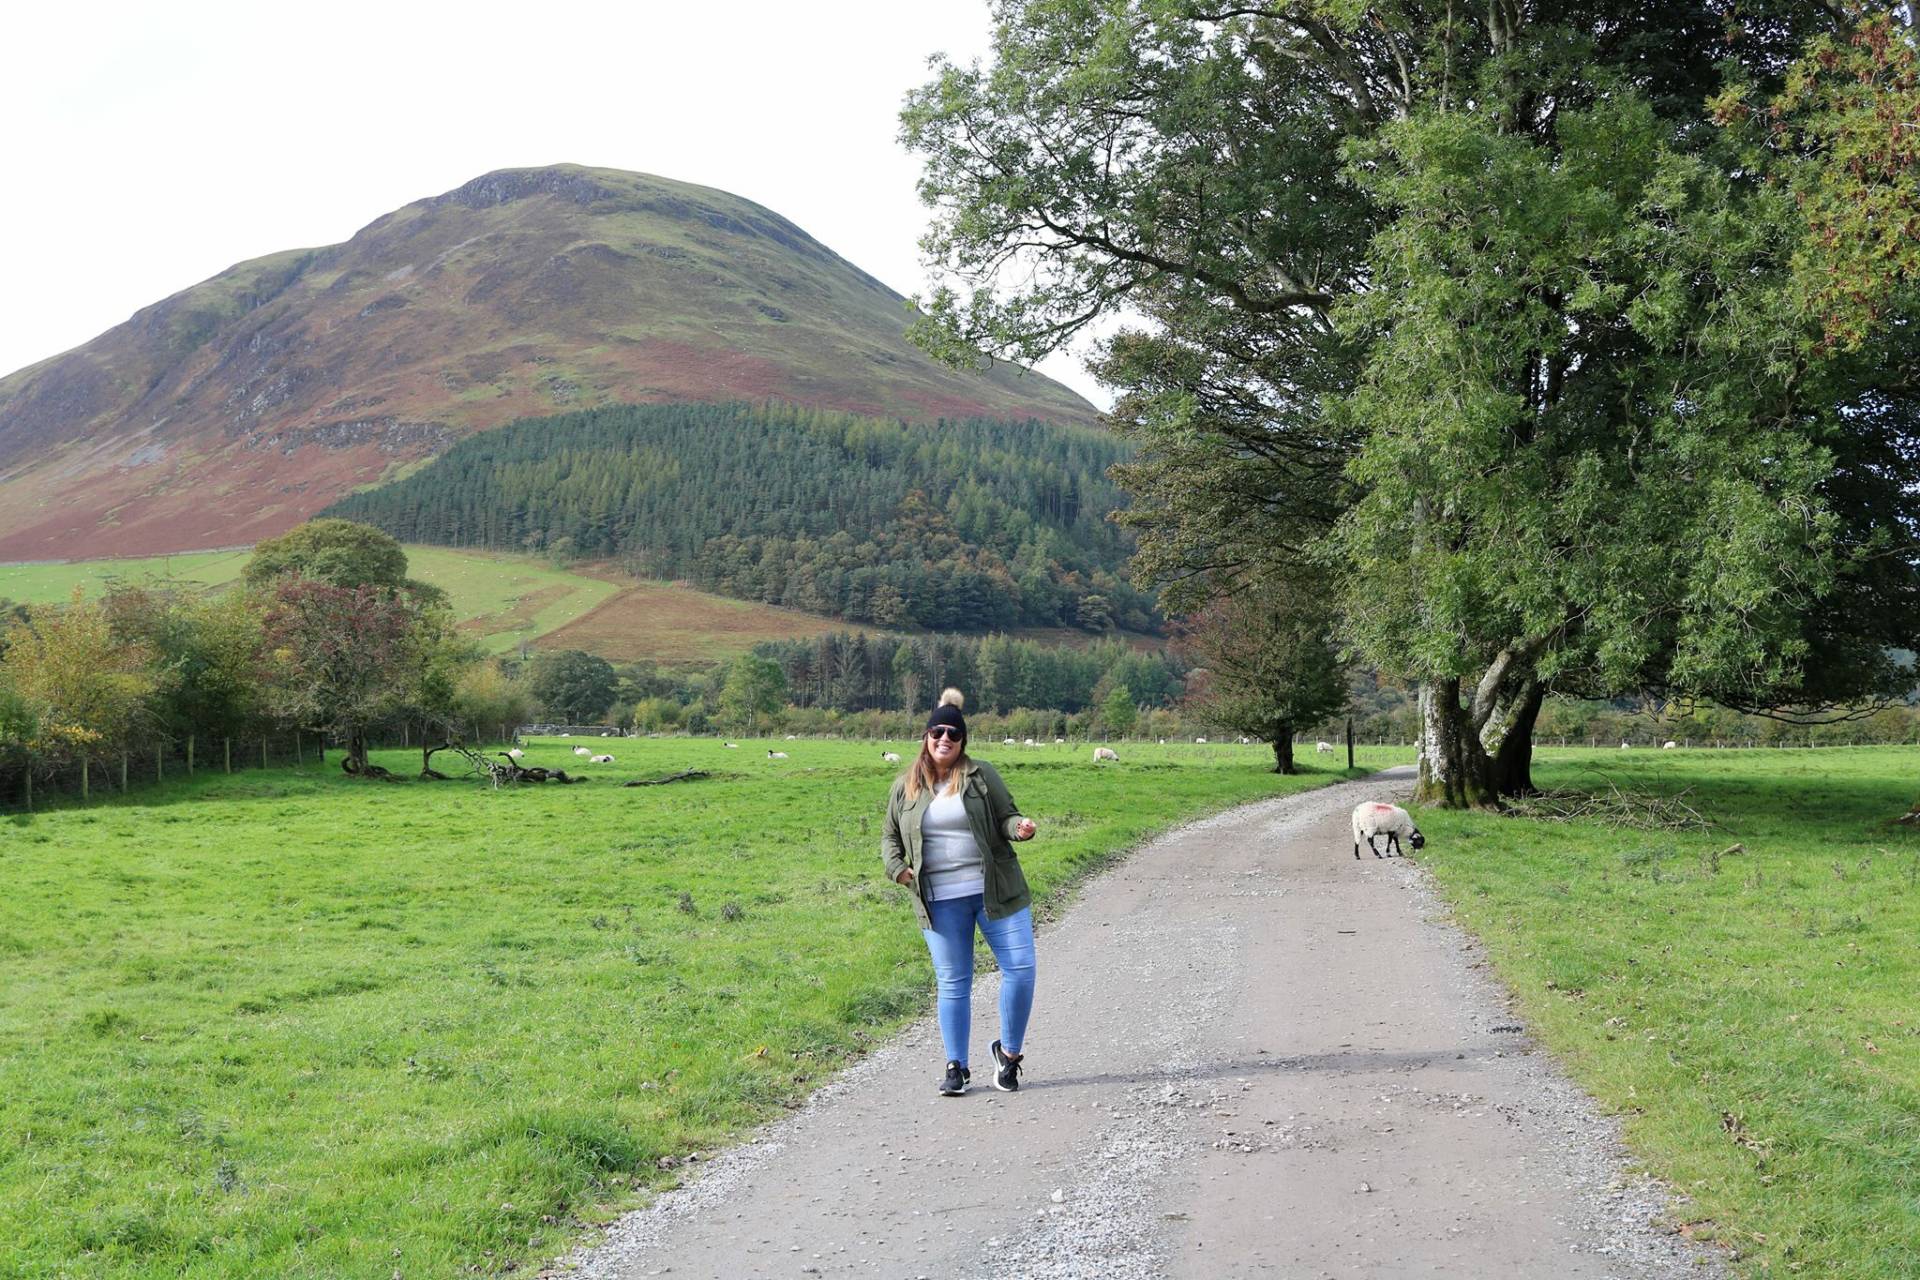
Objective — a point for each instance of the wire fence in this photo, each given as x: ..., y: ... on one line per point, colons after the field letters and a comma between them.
x: 104, y: 775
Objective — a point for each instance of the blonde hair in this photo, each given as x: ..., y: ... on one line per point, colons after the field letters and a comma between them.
x: 921, y: 775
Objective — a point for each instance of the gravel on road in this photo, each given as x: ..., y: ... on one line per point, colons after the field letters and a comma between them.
x: 1250, y: 1054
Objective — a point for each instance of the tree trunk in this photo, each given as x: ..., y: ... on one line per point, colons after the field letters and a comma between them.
x: 1283, y: 750
x: 1507, y: 738
x: 1454, y: 770
x: 356, y: 761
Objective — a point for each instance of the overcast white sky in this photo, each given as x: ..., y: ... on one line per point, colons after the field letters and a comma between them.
x: 150, y: 146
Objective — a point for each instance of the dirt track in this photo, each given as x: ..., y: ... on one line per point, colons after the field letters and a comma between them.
x: 1251, y: 1055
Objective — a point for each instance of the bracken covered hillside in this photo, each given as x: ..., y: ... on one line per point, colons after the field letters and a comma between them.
x: 238, y: 407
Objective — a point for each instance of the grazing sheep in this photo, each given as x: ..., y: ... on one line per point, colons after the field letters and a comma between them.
x: 600, y: 760
x: 1200, y: 742
x: 1668, y: 746
x: 1106, y: 753
x: 583, y: 751
x: 775, y: 755
x: 731, y: 746
x: 1059, y: 742
x: 1029, y: 742
x: 1626, y: 746
x: 1006, y: 742
x: 792, y: 736
x: 1323, y: 748
x: 1371, y: 818
x: 891, y: 757
x: 515, y: 752
x: 1244, y: 740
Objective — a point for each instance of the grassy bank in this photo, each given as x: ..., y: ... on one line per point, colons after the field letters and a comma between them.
x: 281, y: 1023
x: 1751, y: 1013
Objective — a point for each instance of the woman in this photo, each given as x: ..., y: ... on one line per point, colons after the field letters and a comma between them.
x: 949, y: 824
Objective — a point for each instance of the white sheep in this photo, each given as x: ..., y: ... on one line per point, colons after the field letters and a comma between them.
x: 1059, y: 742
x: 1006, y: 742
x: 1323, y: 748
x: 1245, y: 740
x: 792, y: 736
x: 515, y: 752
x: 1029, y: 742
x: 891, y: 757
x: 1371, y: 818
x: 603, y: 759
x: 1106, y: 753
x: 775, y: 755
x: 1200, y: 742
x: 1668, y: 746
x: 1626, y: 746
x: 583, y: 751
x: 731, y: 746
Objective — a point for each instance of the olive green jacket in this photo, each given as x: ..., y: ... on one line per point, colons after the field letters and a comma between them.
x: 990, y: 811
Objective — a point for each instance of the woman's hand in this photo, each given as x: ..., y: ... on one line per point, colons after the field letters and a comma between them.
x: 905, y: 876
x: 1023, y: 829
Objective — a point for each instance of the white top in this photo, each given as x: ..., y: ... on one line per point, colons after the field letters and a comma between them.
x: 949, y: 856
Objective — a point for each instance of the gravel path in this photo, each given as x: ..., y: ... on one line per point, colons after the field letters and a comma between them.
x: 1251, y: 1055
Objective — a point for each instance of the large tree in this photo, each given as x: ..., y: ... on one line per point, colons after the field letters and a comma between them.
x: 1272, y: 664
x: 339, y: 660
x: 574, y: 687
x: 1480, y: 292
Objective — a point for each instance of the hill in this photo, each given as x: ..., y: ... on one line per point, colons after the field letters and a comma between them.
x: 976, y: 526
x: 238, y: 407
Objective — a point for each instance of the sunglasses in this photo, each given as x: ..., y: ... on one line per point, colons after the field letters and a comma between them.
x: 946, y: 731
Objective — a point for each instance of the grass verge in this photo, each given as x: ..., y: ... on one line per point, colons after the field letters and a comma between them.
x: 1751, y: 1014
x: 281, y: 1023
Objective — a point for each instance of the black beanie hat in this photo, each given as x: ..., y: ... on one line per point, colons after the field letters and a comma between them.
x: 948, y: 712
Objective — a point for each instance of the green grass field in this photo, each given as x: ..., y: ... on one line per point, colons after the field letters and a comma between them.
x: 283, y: 1024
x: 502, y: 600
x: 1753, y: 1015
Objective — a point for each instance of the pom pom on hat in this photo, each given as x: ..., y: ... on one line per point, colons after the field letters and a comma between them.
x: 948, y: 712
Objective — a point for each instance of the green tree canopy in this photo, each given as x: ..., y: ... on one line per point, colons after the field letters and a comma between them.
x: 755, y: 689
x: 1271, y: 664
x: 574, y: 687
x: 342, y: 553
x: 1475, y: 310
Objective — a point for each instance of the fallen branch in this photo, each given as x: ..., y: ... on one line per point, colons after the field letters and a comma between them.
x: 685, y: 775
x: 1639, y: 810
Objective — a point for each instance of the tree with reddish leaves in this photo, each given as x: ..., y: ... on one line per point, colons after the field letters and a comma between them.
x: 341, y: 659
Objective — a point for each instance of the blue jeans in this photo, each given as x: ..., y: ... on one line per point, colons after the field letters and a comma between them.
x: 950, y: 942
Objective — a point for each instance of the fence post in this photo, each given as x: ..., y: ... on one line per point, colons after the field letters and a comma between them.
x: 123, y: 773
x: 189, y: 755
x: 405, y: 729
x: 299, y: 750
x: 84, y: 780
x: 159, y: 764
x: 263, y: 751
x: 29, y: 773
x: 227, y: 743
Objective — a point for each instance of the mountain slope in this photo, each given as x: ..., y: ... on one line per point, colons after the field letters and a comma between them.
x: 238, y: 407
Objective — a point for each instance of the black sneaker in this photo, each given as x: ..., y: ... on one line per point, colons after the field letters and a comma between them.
x: 1006, y: 1075
x: 955, y: 1083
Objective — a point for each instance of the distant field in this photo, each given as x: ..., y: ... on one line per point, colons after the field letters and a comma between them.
x: 51, y: 583
x: 507, y: 600
x: 669, y: 623
x: 280, y: 1023
x: 503, y: 600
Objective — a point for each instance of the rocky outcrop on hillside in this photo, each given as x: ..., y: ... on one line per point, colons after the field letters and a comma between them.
x: 236, y: 408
